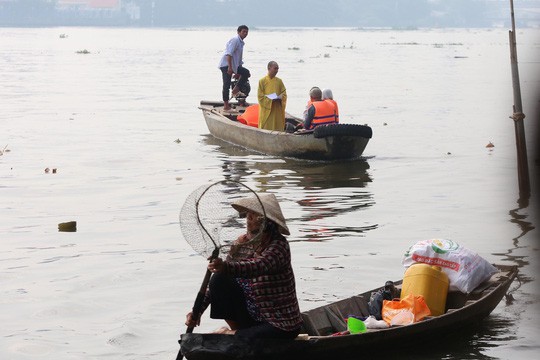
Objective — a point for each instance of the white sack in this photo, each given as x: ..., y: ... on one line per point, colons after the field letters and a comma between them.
x: 465, y: 268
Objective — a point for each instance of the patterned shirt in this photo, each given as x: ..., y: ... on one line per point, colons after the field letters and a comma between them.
x: 273, y: 286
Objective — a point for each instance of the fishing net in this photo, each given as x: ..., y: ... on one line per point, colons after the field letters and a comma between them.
x: 211, y: 225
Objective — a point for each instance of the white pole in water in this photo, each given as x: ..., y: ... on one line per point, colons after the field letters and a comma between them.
x: 518, y: 116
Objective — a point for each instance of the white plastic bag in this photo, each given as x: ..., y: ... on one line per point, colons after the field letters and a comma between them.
x: 405, y: 317
x: 465, y: 268
x: 372, y: 323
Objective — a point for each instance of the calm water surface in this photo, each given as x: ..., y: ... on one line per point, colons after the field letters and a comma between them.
x: 121, y: 126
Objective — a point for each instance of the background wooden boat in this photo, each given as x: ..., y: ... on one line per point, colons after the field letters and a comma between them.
x: 334, y: 142
x: 462, y: 310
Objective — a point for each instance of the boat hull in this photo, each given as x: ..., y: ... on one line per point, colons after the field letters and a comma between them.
x: 279, y: 143
x: 469, y: 309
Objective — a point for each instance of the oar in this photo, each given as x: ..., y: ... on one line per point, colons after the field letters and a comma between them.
x: 196, y: 312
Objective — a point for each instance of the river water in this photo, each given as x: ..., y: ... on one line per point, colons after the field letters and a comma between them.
x: 114, y: 111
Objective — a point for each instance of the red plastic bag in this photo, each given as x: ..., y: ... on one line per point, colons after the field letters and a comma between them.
x: 414, y: 304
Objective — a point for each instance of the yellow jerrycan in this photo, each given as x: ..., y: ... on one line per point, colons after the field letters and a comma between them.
x: 430, y: 282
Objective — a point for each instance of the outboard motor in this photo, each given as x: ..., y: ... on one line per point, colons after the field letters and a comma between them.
x: 245, y: 89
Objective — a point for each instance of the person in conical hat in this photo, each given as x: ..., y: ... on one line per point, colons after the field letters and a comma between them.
x: 256, y: 293
x: 270, y: 208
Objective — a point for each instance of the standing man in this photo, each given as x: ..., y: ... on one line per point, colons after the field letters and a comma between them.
x: 231, y: 63
x: 272, y: 97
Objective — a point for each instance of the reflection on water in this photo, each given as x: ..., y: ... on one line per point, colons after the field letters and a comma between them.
x: 324, y: 192
x: 524, y: 227
x: 519, y: 217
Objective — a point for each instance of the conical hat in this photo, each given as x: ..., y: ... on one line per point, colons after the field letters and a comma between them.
x: 271, y: 208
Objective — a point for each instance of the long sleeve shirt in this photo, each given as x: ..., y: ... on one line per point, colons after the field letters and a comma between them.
x: 273, y: 284
x: 234, y: 49
x: 272, y: 287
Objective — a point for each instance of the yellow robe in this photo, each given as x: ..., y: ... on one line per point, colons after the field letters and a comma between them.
x: 271, y: 112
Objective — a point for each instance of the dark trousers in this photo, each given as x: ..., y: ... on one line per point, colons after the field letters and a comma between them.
x: 227, y: 301
x: 244, y: 76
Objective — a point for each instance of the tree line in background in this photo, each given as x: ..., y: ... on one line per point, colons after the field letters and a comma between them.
x: 277, y: 13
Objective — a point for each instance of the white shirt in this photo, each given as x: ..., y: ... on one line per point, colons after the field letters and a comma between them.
x: 234, y: 48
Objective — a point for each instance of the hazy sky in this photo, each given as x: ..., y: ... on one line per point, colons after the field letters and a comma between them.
x: 289, y: 13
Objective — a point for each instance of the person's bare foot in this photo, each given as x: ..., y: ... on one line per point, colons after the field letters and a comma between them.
x: 224, y: 330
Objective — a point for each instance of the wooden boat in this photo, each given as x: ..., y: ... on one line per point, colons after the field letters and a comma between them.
x: 320, y: 323
x: 330, y: 142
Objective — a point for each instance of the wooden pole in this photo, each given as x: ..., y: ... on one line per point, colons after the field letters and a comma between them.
x: 518, y: 116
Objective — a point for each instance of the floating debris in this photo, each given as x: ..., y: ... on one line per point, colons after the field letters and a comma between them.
x: 63, y: 36
x: 449, y: 153
x: 83, y: 51
x: 47, y: 170
x: 490, y: 145
x: 294, y: 48
x: 70, y: 226
x: 178, y: 141
x: 4, y: 150
x: 326, y: 55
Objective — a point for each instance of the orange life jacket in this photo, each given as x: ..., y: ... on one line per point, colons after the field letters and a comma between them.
x: 250, y: 116
x: 325, y: 113
x: 337, y: 110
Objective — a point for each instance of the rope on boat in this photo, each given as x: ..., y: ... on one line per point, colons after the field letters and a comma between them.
x: 519, y: 116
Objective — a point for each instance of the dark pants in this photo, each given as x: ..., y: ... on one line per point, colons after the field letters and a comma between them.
x: 227, y: 301
x: 244, y: 76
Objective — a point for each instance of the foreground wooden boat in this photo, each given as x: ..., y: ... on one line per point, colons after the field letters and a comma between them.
x: 332, y: 142
x: 319, y: 323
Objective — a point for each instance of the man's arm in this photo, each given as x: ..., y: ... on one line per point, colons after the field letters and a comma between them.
x: 229, y: 61
x: 309, y: 117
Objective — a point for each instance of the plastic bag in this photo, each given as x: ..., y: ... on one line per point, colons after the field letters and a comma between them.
x: 405, y: 317
x: 372, y: 323
x: 413, y: 304
x: 465, y: 268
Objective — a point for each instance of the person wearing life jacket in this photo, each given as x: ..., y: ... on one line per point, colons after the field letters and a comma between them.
x: 328, y: 96
x: 320, y: 112
x: 308, y: 105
